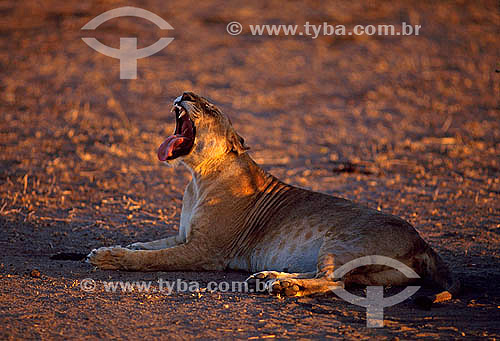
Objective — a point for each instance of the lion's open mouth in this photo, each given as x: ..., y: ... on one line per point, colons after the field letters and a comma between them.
x: 182, y: 141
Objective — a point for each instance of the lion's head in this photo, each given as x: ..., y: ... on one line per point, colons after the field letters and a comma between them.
x: 202, y: 133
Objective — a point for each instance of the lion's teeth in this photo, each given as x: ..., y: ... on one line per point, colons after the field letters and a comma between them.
x: 181, y: 110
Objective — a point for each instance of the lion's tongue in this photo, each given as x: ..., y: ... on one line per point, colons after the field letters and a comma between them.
x: 168, y: 146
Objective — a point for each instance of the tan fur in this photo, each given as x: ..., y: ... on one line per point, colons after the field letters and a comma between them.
x: 235, y: 215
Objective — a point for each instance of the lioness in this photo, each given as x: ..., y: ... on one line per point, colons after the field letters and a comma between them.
x: 237, y: 216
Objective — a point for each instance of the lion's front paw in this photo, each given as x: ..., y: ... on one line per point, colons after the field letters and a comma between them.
x: 110, y: 258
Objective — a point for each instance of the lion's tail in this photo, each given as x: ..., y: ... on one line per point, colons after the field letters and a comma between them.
x: 437, y: 270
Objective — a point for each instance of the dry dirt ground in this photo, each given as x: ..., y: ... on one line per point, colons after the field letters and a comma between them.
x: 407, y: 124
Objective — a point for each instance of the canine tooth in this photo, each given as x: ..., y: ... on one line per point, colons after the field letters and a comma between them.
x: 182, y: 111
x: 176, y: 107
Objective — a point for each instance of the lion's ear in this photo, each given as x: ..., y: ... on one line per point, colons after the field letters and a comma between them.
x: 235, y: 143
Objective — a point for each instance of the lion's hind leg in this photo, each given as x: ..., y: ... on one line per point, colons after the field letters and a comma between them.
x: 303, y: 287
x: 262, y: 281
x: 269, y: 275
x: 299, y: 284
x: 291, y: 284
